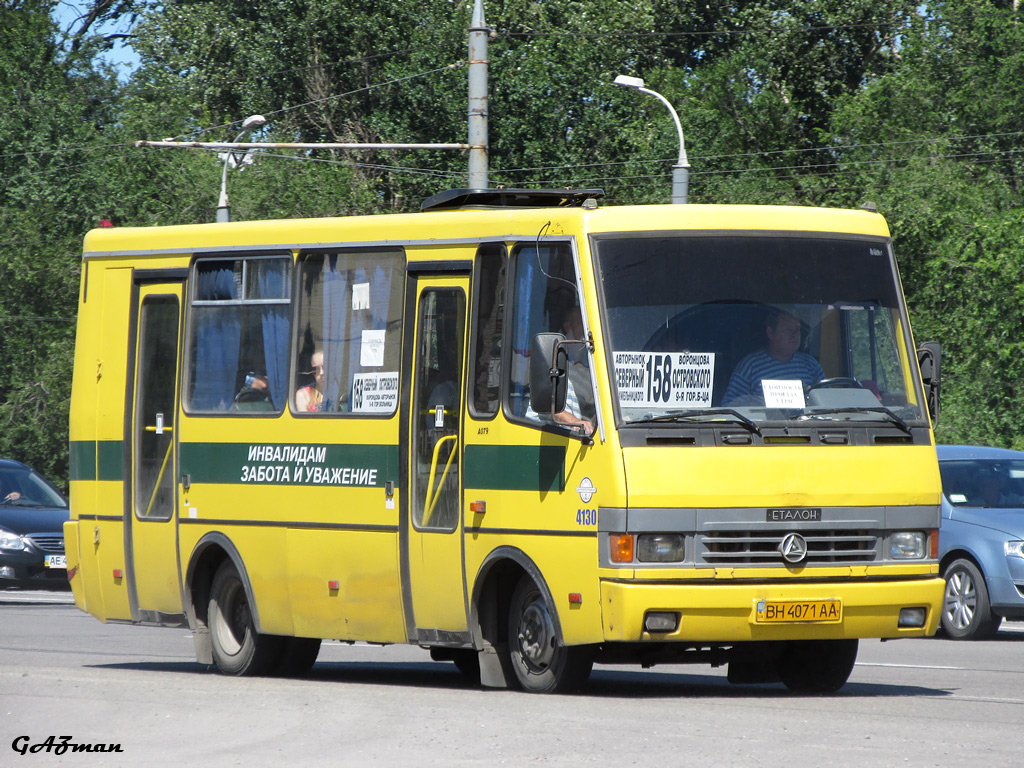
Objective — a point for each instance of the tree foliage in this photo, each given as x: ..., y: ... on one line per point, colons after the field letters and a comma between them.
x: 916, y: 107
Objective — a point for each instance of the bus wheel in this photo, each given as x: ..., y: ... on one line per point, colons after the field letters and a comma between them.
x: 299, y: 656
x: 816, y: 666
x: 237, y: 648
x: 541, y: 663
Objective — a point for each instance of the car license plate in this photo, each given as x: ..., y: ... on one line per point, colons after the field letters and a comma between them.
x: 787, y: 611
x: 55, y: 561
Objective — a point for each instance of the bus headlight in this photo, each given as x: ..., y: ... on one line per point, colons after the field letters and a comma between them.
x: 907, y: 545
x: 660, y: 547
x: 1014, y: 548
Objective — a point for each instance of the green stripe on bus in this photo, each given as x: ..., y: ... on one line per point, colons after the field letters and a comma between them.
x: 96, y: 460
x: 82, y: 460
x: 110, y: 460
x: 515, y: 467
x: 502, y: 467
x: 290, y: 464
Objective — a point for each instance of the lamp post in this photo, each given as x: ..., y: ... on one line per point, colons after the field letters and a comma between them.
x: 681, y: 170
x: 223, y: 209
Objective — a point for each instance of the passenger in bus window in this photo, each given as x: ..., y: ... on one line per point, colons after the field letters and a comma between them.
x: 579, y: 401
x: 579, y: 412
x: 779, y: 359
x: 254, y: 394
x: 311, y: 397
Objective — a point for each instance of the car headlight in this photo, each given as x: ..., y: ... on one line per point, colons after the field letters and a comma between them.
x: 11, y: 540
x: 1014, y: 548
x: 660, y: 547
x: 907, y: 545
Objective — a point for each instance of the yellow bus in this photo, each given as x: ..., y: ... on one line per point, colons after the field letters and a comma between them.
x: 521, y: 429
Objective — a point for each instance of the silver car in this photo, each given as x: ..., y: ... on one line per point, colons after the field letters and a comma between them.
x: 981, y: 539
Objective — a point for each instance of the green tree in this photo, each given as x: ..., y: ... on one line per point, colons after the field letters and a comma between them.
x: 55, y: 104
x: 937, y: 142
x: 808, y: 102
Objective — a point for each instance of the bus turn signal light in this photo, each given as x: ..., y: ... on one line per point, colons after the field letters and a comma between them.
x: 622, y: 547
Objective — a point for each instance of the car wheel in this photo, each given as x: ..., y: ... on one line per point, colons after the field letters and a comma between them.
x: 237, y: 648
x: 541, y: 663
x: 816, y: 666
x: 966, y: 612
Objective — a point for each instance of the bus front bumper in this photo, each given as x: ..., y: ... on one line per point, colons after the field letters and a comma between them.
x: 728, y: 613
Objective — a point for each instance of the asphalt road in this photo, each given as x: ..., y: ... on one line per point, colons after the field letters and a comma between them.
x: 64, y: 674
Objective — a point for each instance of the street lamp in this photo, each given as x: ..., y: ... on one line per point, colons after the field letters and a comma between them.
x: 681, y: 170
x: 223, y: 209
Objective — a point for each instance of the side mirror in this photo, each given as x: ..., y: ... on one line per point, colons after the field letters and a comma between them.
x: 548, y: 382
x: 929, y: 357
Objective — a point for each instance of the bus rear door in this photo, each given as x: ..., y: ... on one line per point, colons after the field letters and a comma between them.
x: 431, y: 529
x: 151, y: 494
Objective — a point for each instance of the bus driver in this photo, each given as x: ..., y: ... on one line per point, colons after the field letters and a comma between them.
x: 780, y: 359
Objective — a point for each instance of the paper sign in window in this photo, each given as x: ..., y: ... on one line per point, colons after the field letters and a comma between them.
x: 783, y: 393
x: 361, y: 296
x: 371, y: 351
x: 669, y: 380
x: 375, y: 393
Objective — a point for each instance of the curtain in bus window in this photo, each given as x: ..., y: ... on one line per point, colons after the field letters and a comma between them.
x: 215, y: 357
x: 218, y: 332
x: 369, y: 319
x: 362, y: 320
x: 275, y: 335
x: 521, y: 326
x: 375, y: 319
x: 216, y: 281
x: 336, y: 333
x: 380, y: 292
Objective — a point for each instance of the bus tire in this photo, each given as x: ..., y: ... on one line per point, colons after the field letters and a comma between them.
x: 816, y: 666
x: 540, y: 662
x: 966, y: 611
x: 299, y: 656
x: 237, y: 648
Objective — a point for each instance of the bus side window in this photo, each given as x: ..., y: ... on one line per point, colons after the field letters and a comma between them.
x: 350, y: 323
x: 489, y: 317
x: 545, y: 299
x: 239, y: 331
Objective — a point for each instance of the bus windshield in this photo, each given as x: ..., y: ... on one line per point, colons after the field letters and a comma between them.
x: 753, y: 328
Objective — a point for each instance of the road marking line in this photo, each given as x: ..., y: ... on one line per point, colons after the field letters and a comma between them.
x: 907, y: 666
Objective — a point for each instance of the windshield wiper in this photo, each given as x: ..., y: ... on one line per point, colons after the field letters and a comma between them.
x: 892, y: 417
x: 701, y: 414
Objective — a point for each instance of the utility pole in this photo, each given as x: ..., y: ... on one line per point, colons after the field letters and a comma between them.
x: 477, y: 144
x: 478, y: 33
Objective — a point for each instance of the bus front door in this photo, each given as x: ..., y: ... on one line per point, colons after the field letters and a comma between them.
x: 151, y: 559
x: 431, y: 529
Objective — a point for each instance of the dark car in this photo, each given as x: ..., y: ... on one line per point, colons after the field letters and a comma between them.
x: 32, y: 515
x: 981, y: 539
